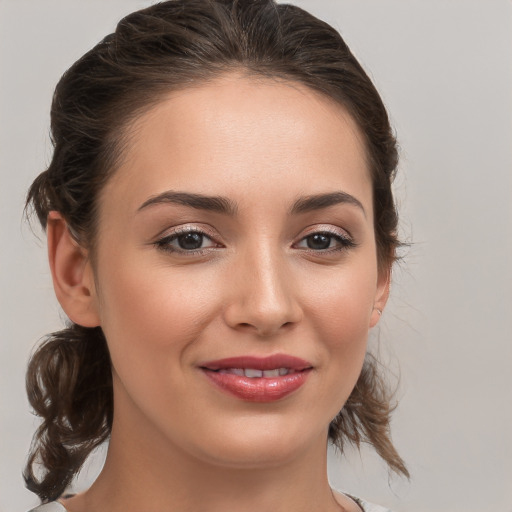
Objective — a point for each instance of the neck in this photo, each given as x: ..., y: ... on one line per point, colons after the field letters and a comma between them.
x: 143, y: 471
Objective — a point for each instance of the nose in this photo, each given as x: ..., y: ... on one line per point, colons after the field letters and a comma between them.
x: 263, y: 299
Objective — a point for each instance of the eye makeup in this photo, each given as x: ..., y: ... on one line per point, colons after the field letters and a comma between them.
x: 193, y: 241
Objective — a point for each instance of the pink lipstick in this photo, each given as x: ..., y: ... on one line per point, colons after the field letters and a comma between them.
x: 258, y: 379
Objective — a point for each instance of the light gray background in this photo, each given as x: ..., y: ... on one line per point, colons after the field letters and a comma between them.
x: 444, y: 70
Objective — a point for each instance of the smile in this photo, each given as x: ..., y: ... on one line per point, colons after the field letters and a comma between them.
x: 258, y: 379
x: 254, y: 373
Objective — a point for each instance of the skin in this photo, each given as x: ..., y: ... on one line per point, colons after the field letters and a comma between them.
x: 255, y: 289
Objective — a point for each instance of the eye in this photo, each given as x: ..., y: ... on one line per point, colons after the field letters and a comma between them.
x: 189, y: 241
x: 326, y: 241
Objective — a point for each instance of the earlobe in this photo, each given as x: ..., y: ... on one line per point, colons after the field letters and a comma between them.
x: 381, y: 297
x: 72, y: 275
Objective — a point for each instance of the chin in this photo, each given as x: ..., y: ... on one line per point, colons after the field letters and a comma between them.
x: 261, y: 445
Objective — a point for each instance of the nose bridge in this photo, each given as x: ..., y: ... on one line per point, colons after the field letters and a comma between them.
x: 264, y: 298
x: 268, y: 287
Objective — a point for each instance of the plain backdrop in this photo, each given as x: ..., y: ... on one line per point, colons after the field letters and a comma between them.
x: 445, y: 72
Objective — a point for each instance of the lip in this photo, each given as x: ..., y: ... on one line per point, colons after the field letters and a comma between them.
x: 258, y: 389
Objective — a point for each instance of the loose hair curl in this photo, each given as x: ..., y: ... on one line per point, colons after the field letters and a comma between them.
x: 170, y: 46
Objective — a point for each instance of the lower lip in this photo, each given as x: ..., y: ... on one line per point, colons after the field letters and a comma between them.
x: 258, y: 389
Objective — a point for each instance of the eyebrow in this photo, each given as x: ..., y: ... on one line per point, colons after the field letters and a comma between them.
x: 198, y: 201
x: 320, y: 201
x: 228, y: 207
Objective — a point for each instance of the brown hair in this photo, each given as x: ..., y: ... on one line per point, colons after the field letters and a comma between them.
x: 169, y: 46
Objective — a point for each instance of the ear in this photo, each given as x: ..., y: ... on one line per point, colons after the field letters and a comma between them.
x: 381, y: 295
x: 72, y: 275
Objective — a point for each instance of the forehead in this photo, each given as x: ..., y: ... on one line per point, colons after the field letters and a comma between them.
x: 243, y: 135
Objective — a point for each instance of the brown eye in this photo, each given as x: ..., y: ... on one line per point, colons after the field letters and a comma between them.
x: 326, y: 241
x: 190, y: 241
x: 319, y: 241
x: 186, y: 242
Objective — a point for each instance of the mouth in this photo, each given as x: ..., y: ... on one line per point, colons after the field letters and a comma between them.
x: 258, y: 379
x: 253, y: 373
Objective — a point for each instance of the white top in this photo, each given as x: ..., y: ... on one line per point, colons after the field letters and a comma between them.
x: 55, y: 506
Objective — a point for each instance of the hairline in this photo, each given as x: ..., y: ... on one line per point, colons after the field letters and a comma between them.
x: 121, y: 137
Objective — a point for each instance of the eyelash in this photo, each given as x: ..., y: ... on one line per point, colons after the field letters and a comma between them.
x: 164, y: 243
x: 344, y: 242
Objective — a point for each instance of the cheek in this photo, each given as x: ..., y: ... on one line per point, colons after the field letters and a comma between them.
x: 151, y: 312
x: 342, y: 307
x: 340, y: 313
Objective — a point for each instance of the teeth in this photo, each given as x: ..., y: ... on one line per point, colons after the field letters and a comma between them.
x: 253, y: 373
x: 249, y: 372
x: 234, y: 371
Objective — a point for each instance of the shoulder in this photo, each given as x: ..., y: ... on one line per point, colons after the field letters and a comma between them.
x: 54, y: 506
x: 362, y: 505
x: 368, y: 507
x: 365, y: 506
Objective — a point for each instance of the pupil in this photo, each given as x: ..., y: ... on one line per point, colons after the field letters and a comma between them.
x: 190, y: 241
x: 319, y: 241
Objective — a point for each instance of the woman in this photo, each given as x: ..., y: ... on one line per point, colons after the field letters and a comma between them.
x: 221, y: 231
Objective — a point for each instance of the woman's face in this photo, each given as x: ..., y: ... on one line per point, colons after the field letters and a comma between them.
x: 237, y: 238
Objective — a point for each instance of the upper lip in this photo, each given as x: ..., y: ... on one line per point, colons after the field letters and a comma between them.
x: 259, y: 363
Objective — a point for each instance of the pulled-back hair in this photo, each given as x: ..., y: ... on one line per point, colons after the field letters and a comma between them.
x: 169, y: 46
